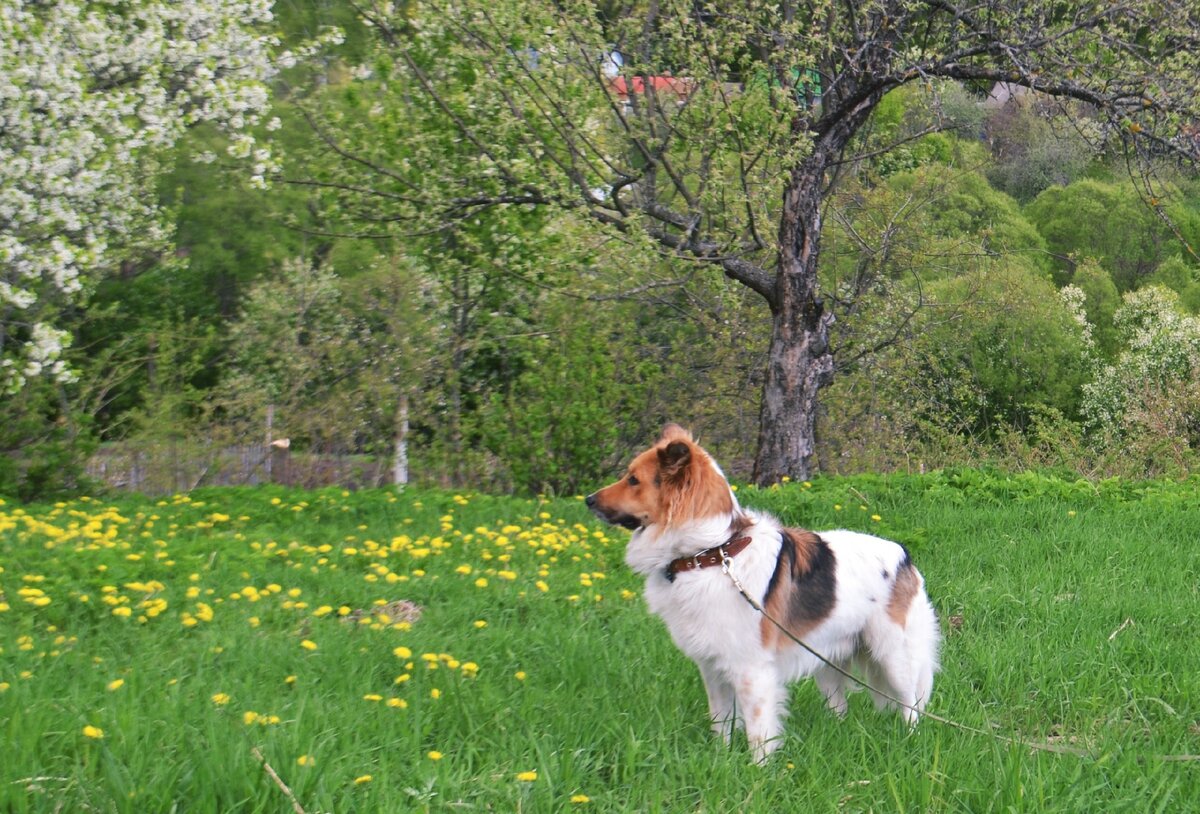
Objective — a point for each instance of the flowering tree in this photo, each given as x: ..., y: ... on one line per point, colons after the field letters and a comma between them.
x: 91, y: 95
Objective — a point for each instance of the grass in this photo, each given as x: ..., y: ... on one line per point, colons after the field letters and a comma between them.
x: 1069, y: 611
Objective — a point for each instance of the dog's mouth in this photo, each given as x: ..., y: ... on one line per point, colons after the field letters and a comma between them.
x: 626, y: 521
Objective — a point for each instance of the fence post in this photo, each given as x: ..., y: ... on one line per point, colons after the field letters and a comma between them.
x: 400, y: 460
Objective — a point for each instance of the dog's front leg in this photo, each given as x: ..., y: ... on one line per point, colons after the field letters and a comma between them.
x: 760, y: 700
x: 721, y: 707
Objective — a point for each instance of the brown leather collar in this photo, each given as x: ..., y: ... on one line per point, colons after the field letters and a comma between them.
x: 707, y: 558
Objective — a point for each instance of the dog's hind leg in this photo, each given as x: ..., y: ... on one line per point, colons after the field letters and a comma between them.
x: 722, y: 712
x: 833, y: 686
x: 891, y: 671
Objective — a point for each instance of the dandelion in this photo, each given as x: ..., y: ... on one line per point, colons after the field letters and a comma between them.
x: 519, y: 675
x: 580, y: 798
x: 305, y: 760
x: 402, y: 652
x: 435, y: 755
x: 527, y: 777
x: 397, y: 703
x: 435, y: 693
x: 480, y: 623
x: 372, y: 697
x: 95, y: 732
x: 308, y: 644
x: 363, y: 778
x: 876, y: 518
x: 289, y: 680
x: 115, y: 684
x: 249, y: 717
x: 481, y: 583
x: 220, y: 698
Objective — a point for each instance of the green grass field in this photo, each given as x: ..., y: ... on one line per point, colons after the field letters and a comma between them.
x: 154, y: 654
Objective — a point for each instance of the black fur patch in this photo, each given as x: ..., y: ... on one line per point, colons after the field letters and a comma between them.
x: 814, y: 590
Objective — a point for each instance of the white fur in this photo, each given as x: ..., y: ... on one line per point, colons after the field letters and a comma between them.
x: 745, y: 681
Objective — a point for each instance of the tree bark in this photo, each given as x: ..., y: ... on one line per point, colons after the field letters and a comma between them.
x: 799, y: 359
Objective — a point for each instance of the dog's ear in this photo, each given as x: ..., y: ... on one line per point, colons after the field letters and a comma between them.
x: 674, y: 432
x: 674, y: 459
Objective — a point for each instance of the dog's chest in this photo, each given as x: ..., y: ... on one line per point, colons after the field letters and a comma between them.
x: 705, y: 614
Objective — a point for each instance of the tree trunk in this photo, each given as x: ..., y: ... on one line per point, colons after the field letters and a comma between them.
x: 799, y: 361
x: 400, y: 456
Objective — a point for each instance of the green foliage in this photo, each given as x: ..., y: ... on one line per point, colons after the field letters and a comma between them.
x: 1021, y: 348
x: 1109, y: 222
x: 44, y: 444
x: 1034, y: 147
x: 962, y: 204
x: 553, y: 431
x: 1101, y: 302
x: 1181, y: 277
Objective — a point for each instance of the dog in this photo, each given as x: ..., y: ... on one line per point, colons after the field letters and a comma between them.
x: 856, y: 599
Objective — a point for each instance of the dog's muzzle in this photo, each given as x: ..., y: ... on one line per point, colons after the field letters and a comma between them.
x: 627, y: 521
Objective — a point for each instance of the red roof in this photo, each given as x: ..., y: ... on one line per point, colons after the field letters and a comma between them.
x: 660, y: 84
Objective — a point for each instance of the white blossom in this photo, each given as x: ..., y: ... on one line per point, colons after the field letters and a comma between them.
x: 90, y: 96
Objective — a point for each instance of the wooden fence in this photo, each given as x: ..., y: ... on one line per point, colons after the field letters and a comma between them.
x: 180, y: 467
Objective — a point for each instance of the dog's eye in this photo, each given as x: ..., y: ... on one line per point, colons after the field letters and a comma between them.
x: 633, y: 481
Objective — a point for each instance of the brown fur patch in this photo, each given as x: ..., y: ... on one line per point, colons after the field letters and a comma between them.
x: 906, y: 586
x: 673, y: 482
x: 802, y: 591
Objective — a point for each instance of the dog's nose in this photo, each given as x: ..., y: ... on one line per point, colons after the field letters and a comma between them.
x: 590, y: 500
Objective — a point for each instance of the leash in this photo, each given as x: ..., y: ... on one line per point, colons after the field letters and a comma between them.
x: 1044, y: 747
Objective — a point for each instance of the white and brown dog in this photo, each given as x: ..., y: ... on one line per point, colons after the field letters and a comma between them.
x: 856, y: 599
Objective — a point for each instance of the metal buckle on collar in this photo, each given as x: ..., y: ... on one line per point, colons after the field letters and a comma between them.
x: 726, y: 560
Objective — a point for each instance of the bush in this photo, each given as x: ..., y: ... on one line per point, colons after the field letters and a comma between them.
x: 44, y: 446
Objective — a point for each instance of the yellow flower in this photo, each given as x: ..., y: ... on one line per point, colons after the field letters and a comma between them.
x: 397, y: 703
x: 290, y: 680
x: 220, y: 699
x: 308, y: 644
x: 305, y: 760
x: 402, y: 652
x: 435, y: 693
x: 481, y: 583
x: 876, y: 518
x: 90, y: 731
x: 519, y: 675
x: 115, y: 684
x: 249, y: 717
x: 365, y: 778
x: 435, y: 755
x: 480, y: 623
x: 527, y: 777
x: 580, y: 798
x: 372, y: 697
x: 122, y: 610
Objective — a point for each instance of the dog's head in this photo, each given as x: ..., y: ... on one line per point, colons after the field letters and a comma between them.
x: 673, y: 482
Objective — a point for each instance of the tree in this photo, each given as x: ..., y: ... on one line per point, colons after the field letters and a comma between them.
x: 1111, y: 223
x: 724, y: 127
x: 94, y: 94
